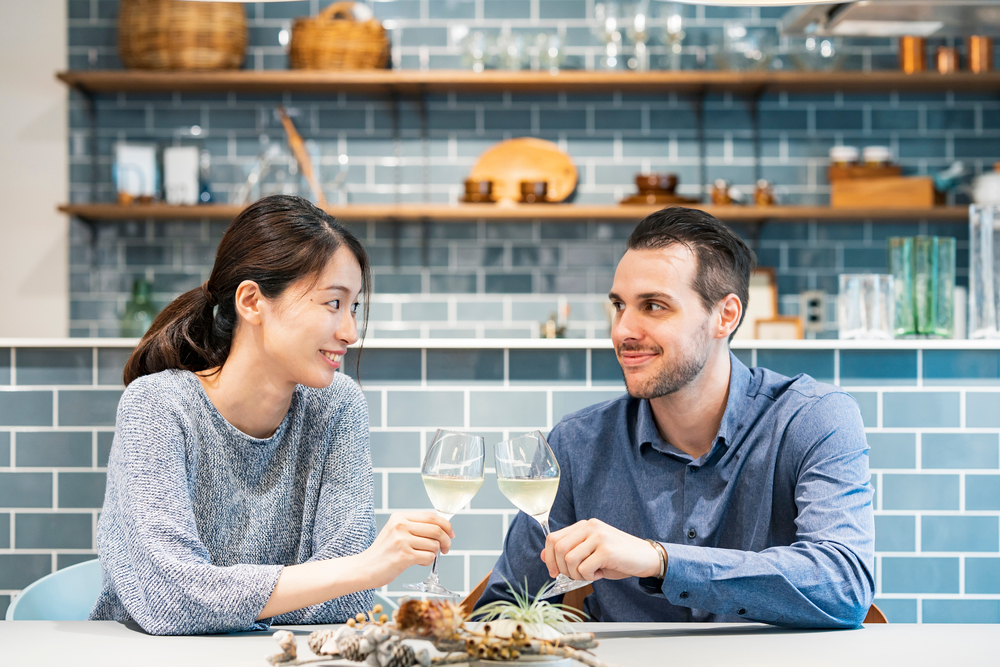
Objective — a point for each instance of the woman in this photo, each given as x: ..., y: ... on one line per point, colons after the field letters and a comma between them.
x: 239, y: 484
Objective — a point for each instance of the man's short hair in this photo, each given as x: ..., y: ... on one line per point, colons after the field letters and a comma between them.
x: 725, y: 262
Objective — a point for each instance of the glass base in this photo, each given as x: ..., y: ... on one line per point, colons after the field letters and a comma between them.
x: 562, y: 585
x: 431, y: 587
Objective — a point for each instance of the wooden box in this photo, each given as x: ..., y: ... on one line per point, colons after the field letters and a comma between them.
x: 883, y: 193
x: 835, y: 173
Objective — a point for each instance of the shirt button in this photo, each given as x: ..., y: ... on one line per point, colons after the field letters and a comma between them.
x: 683, y: 595
x: 741, y: 612
x: 692, y: 534
x: 693, y: 469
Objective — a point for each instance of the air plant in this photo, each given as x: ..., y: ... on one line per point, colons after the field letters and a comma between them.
x: 533, y: 614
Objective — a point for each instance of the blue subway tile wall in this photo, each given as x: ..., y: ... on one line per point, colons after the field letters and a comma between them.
x: 609, y: 136
x: 937, y: 504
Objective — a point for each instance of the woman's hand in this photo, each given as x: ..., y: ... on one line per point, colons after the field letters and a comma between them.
x: 409, y: 538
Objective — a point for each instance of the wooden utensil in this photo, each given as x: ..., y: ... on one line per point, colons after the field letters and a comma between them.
x: 302, y: 156
x: 526, y: 159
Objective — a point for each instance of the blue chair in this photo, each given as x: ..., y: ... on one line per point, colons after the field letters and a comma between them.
x: 66, y: 595
x: 70, y: 594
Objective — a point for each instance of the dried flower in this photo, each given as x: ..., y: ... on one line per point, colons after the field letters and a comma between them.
x: 433, y: 618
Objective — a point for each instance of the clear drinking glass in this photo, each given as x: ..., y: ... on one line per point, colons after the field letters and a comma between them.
x: 866, y: 306
x: 984, y: 272
x: 452, y: 474
x: 528, y: 474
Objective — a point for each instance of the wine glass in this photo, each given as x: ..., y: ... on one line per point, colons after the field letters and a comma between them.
x: 528, y: 474
x: 452, y: 474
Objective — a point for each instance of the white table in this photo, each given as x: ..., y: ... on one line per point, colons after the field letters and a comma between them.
x: 110, y: 644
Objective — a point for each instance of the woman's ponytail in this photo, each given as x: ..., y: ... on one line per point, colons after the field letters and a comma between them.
x: 182, y: 336
x: 274, y: 242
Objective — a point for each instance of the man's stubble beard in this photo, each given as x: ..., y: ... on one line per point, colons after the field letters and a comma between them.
x: 675, y: 378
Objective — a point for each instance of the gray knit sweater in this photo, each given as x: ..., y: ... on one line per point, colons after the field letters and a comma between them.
x: 199, y: 518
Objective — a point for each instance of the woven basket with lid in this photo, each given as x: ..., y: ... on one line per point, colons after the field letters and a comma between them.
x: 335, y: 39
x: 174, y: 34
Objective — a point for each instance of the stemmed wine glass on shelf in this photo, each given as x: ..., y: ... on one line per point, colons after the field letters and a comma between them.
x: 452, y: 474
x: 528, y: 474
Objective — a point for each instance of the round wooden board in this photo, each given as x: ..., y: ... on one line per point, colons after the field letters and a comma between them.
x: 526, y: 159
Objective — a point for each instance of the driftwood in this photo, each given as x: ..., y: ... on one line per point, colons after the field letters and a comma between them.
x: 379, y: 643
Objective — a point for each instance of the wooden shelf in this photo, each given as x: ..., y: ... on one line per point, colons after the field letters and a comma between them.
x: 382, y: 82
x: 524, y: 212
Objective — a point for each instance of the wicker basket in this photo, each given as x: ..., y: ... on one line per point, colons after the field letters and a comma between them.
x: 335, y: 40
x: 173, y: 34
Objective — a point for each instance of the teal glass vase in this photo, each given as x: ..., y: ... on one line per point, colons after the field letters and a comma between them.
x: 923, y: 270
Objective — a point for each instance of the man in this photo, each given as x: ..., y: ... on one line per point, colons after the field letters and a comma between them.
x: 710, y: 492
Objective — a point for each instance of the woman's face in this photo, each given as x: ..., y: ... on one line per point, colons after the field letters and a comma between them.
x: 306, y: 331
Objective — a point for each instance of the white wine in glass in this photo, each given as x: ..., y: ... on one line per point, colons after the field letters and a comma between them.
x: 452, y: 474
x: 528, y: 474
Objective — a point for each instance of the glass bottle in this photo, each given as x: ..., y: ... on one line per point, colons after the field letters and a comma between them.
x: 139, y: 311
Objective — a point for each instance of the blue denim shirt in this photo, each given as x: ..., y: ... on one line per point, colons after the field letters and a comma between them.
x: 773, y: 524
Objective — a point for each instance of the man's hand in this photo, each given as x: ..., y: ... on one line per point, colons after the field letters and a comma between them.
x: 594, y: 550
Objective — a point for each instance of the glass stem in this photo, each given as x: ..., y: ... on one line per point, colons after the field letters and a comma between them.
x: 434, y: 567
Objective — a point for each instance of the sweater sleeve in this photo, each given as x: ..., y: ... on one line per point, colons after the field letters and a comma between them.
x: 345, y: 518
x: 148, y: 540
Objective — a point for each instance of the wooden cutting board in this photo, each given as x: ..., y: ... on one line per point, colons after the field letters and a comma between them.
x: 526, y: 159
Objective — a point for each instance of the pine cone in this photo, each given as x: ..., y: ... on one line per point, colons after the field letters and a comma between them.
x: 437, y: 618
x: 318, y: 638
x: 408, y: 614
x: 442, y: 618
x: 350, y: 648
x: 401, y: 656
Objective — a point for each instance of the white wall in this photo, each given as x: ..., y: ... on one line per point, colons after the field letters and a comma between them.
x: 34, y: 261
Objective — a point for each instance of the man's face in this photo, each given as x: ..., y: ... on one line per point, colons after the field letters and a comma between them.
x: 661, y: 331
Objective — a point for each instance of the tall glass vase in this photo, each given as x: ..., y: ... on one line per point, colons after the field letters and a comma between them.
x: 901, y: 268
x: 923, y: 268
x: 984, y: 272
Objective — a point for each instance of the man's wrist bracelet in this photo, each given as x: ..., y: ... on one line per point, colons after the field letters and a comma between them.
x: 661, y: 552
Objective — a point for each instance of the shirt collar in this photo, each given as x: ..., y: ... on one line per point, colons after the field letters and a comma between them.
x: 739, y: 389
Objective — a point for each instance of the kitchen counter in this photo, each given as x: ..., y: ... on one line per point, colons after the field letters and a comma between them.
x: 110, y: 644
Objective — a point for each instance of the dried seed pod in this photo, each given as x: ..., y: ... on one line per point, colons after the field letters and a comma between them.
x: 400, y: 655
x: 350, y: 648
x: 318, y: 638
x: 289, y: 649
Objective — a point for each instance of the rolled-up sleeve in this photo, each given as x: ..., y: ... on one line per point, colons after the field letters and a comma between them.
x: 826, y: 577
